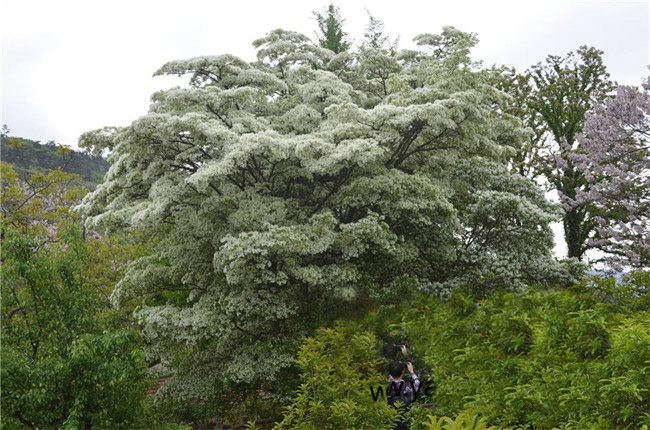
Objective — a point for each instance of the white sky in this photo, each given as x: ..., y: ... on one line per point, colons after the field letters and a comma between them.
x: 72, y: 66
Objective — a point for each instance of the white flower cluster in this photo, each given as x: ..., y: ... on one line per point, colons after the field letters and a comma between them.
x: 284, y: 190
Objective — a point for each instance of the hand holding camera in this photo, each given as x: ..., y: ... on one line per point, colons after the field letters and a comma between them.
x: 407, y: 365
x: 391, y: 351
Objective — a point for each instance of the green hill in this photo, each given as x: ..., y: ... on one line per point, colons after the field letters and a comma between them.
x: 28, y: 156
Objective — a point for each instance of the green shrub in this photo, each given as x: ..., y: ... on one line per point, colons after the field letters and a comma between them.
x: 67, y: 359
x: 571, y: 358
x: 629, y: 294
x: 464, y: 421
x: 338, y: 366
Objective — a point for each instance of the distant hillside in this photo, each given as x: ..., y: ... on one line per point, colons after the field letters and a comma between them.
x: 28, y: 156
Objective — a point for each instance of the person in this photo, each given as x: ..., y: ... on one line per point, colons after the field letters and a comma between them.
x: 399, y: 392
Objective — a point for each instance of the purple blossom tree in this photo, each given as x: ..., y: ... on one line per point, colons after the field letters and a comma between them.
x: 553, y: 99
x: 614, y: 158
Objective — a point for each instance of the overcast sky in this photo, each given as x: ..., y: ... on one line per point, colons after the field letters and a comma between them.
x: 73, y: 66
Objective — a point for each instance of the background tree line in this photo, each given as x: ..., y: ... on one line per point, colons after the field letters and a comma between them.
x: 28, y: 157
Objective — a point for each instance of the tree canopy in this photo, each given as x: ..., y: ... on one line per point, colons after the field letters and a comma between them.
x: 552, y: 98
x: 588, y: 143
x: 290, y: 190
x: 614, y: 158
x: 68, y: 358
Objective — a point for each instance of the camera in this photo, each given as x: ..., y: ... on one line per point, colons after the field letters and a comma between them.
x: 392, y: 350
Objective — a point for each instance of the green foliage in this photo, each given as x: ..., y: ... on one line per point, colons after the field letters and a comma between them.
x: 554, y: 359
x: 67, y: 362
x: 553, y: 99
x: 330, y: 26
x: 338, y: 367
x: 374, y: 37
x: 540, y: 359
x: 564, y: 88
x: 464, y: 421
x: 39, y: 204
x: 68, y: 358
x: 632, y: 294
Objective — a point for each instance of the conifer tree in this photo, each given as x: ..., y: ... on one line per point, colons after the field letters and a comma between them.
x: 330, y: 30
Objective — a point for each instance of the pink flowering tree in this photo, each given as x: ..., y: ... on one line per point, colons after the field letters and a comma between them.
x: 614, y: 159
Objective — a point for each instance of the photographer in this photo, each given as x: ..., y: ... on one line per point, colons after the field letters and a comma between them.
x: 399, y: 392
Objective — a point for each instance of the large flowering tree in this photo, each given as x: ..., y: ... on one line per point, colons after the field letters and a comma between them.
x: 289, y: 190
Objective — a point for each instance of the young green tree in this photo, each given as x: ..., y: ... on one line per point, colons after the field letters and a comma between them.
x: 553, y: 99
x: 283, y: 198
x: 68, y: 359
x: 37, y: 205
x: 338, y: 375
x: 374, y: 37
x: 330, y: 30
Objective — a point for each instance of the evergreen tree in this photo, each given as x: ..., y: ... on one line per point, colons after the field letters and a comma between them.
x: 374, y: 36
x: 330, y: 26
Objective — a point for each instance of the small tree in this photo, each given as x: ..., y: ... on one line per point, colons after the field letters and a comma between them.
x: 330, y: 26
x: 338, y: 376
x: 374, y: 37
x: 67, y: 362
x: 68, y: 359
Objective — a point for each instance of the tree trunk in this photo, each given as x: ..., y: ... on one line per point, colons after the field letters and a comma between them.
x: 573, y: 234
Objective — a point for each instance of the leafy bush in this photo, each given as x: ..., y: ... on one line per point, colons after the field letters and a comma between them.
x: 464, y: 421
x: 338, y: 366
x: 541, y: 359
x: 630, y: 294
x: 67, y: 359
